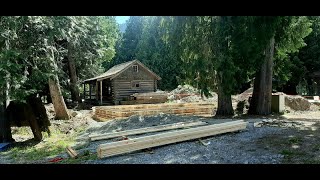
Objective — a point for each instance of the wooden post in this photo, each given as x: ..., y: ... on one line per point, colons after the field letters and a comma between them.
x: 96, y: 89
x: 7, y: 91
x: 90, y: 91
x: 84, y: 90
x: 101, y: 92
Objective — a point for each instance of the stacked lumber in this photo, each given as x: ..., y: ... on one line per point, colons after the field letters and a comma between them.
x: 103, y: 113
x: 150, y: 95
x: 146, y: 98
x: 126, y: 146
x: 146, y: 130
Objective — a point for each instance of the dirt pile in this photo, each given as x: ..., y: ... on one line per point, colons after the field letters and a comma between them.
x: 297, y: 103
x: 245, y: 95
x: 187, y: 93
x: 79, y: 120
x: 292, y: 102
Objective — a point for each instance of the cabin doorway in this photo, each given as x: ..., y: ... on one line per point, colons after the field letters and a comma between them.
x: 106, y: 88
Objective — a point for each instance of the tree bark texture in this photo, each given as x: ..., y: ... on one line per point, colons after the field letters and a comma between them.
x: 73, y: 75
x: 5, y: 129
x: 224, y: 101
x: 60, y: 107
x: 262, y: 91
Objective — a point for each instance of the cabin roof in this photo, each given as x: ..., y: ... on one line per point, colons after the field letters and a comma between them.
x: 118, y: 69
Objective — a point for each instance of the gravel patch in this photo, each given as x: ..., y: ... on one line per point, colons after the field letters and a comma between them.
x: 232, y: 148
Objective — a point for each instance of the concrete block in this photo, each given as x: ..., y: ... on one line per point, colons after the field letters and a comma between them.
x: 277, y: 103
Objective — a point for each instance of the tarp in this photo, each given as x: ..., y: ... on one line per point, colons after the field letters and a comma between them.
x: 4, y: 146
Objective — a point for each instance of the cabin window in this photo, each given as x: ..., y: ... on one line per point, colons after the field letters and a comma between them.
x: 135, y: 68
x: 135, y: 85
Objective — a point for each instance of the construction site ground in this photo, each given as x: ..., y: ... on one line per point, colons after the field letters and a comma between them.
x: 290, y: 138
x: 293, y: 137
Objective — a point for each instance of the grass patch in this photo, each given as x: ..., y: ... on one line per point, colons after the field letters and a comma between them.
x: 22, y: 131
x: 291, y: 156
x: 312, y: 161
x: 49, y: 147
x: 294, y: 140
x: 84, y: 157
x: 287, y: 152
x: 316, y: 147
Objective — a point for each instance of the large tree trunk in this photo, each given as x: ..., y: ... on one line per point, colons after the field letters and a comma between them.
x: 262, y: 91
x: 5, y: 129
x: 73, y: 75
x: 224, y: 102
x: 59, y: 105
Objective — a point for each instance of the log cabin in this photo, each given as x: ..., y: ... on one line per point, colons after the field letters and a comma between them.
x: 119, y: 83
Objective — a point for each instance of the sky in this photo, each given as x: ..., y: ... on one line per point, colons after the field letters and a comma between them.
x: 122, y: 19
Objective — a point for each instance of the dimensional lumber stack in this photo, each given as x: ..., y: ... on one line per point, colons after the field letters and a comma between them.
x: 146, y: 98
x: 125, y: 146
x: 146, y: 130
x: 103, y: 113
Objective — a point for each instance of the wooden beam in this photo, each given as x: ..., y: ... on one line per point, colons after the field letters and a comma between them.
x: 84, y: 90
x: 101, y: 92
x: 146, y: 130
x: 72, y: 153
x: 116, y: 148
x: 96, y: 89
x: 90, y: 90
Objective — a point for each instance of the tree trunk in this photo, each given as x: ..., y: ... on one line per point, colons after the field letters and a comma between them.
x: 60, y: 107
x: 5, y: 128
x: 224, y: 102
x: 40, y: 114
x: 262, y: 91
x: 73, y: 75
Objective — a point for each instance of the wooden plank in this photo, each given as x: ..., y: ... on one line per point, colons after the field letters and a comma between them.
x: 146, y: 130
x: 238, y: 122
x: 168, y: 105
x: 100, y: 92
x: 96, y: 89
x: 116, y: 148
x: 90, y: 94
x: 137, y: 144
x: 84, y: 90
x: 164, y: 136
x: 72, y: 153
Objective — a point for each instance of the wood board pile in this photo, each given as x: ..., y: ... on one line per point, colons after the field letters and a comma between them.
x: 130, y: 145
x: 146, y: 98
x: 103, y: 113
x: 145, y: 130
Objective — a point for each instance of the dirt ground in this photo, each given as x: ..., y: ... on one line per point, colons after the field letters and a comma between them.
x: 293, y: 138
x: 290, y: 138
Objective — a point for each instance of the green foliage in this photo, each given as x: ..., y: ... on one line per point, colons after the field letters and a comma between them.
x: 51, y: 147
x: 297, y: 67
x: 205, y: 46
x: 126, y: 46
x: 32, y: 46
x: 156, y: 54
x: 23, y: 54
x: 143, y: 40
